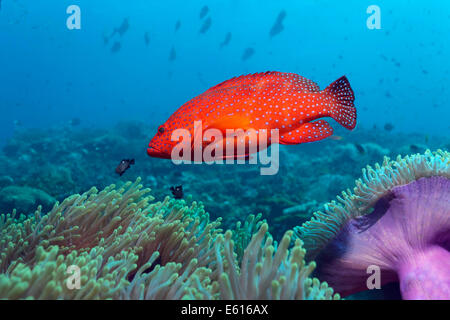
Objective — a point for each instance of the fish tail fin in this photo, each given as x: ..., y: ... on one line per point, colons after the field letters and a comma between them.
x: 343, y: 109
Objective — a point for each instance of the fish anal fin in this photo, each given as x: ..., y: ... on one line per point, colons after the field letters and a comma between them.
x: 308, y: 132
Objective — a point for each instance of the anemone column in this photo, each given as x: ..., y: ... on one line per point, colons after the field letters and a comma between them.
x: 426, y: 275
x: 407, y: 236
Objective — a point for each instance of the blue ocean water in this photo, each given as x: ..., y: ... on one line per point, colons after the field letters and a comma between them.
x: 50, y: 74
x: 84, y: 85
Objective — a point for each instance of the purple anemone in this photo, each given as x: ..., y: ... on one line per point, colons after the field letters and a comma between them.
x: 395, y: 223
x: 407, y: 237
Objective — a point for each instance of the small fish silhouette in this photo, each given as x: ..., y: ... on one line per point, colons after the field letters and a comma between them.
x: 116, y: 47
x: 122, y: 29
x: 204, y: 12
x: 75, y: 122
x: 248, y: 53
x: 227, y: 40
x: 278, y: 25
x: 177, y: 25
x: 360, y: 148
x: 206, y: 25
x: 124, y: 165
x: 177, y: 192
x: 173, y: 54
x: 414, y: 148
x: 105, y: 39
x: 388, y: 127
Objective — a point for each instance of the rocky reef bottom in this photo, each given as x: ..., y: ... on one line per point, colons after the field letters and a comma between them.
x: 42, y: 166
x: 137, y: 246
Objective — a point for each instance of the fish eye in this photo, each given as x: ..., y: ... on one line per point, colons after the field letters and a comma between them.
x: 161, y: 130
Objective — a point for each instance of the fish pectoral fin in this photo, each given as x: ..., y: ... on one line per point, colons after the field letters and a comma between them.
x: 222, y: 144
x: 230, y: 122
x: 308, y: 132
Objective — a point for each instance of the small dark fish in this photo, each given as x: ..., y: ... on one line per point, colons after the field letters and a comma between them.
x: 177, y: 192
x: 105, y: 40
x: 414, y: 148
x: 204, y: 11
x: 360, y: 148
x: 248, y: 53
x: 75, y: 122
x: 173, y: 54
x: 278, y: 25
x: 116, y: 47
x: 177, y: 25
x: 227, y: 40
x: 206, y: 25
x: 124, y: 165
x: 122, y: 29
x: 396, y: 63
x: 147, y: 38
x: 388, y: 127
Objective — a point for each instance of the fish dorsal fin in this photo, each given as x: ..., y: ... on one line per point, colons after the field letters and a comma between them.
x: 299, y: 83
x: 230, y: 122
x: 238, y: 81
x: 295, y: 81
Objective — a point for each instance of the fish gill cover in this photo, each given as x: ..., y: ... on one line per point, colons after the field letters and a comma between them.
x: 343, y: 101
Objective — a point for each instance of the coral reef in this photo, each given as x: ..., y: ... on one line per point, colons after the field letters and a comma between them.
x: 66, y: 160
x: 130, y: 247
x: 398, y: 219
x: 126, y: 247
x: 24, y: 199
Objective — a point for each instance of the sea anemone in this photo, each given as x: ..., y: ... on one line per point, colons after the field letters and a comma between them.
x: 125, y: 247
x: 268, y: 272
x: 397, y: 219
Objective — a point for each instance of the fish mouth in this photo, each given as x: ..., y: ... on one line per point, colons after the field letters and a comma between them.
x: 154, y: 152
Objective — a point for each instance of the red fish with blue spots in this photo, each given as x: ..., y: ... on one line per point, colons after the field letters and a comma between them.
x: 271, y: 100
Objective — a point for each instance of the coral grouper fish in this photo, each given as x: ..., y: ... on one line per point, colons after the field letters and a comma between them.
x: 271, y: 100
